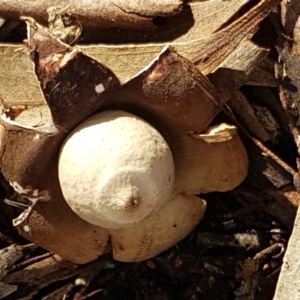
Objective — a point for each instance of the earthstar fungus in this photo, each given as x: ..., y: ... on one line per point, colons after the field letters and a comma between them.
x: 127, y: 165
x: 121, y: 164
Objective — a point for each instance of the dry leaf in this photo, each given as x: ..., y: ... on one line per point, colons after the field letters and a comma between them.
x: 197, y: 20
x: 127, y: 60
x: 104, y: 13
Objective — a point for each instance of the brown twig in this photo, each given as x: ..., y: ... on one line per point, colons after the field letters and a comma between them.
x: 78, y: 296
x: 30, y: 261
x: 271, y: 250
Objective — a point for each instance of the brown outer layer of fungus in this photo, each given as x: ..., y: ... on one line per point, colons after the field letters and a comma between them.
x: 171, y: 94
